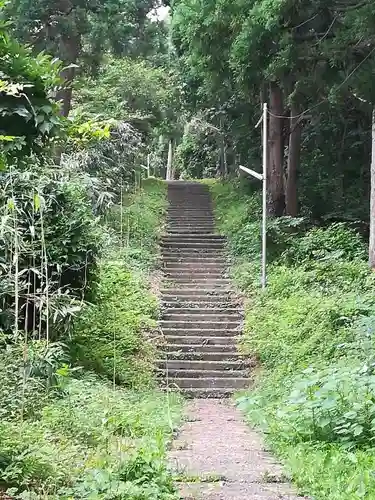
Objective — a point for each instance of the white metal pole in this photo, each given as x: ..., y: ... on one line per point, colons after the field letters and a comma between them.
x: 264, y: 217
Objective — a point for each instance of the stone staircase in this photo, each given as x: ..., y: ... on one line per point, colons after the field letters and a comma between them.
x: 201, y: 318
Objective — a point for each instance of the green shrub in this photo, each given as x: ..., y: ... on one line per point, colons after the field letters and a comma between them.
x: 95, y: 443
x: 313, y: 331
x: 337, y: 241
x: 111, y: 336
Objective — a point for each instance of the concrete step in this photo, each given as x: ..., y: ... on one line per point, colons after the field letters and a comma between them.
x: 191, y: 373
x: 201, y: 280
x: 197, y: 305
x: 208, y: 383
x: 202, y: 332
x: 204, y: 260
x: 213, y: 287
x: 192, y: 252
x: 200, y: 340
x: 197, y: 300
x: 205, y: 315
x: 186, y: 266
x: 197, y: 323
x: 201, y: 366
x: 187, y: 221
x: 199, y: 283
x: 210, y: 393
x: 192, y: 237
x: 183, y: 244
x: 194, y: 274
x: 199, y: 349
x: 207, y: 229
x: 202, y: 356
x: 193, y: 292
x: 220, y: 312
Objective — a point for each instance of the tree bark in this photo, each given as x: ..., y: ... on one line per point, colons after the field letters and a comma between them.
x: 70, y: 47
x: 276, y: 195
x: 294, y: 154
x: 372, y: 198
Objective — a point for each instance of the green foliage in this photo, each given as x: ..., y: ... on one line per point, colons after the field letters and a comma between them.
x: 28, y: 116
x: 112, y: 337
x: 95, y: 443
x: 129, y: 90
x: 313, y: 332
x: 57, y: 243
x: 337, y: 241
x: 198, y: 154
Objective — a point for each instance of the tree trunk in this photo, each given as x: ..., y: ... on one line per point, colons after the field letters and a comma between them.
x: 276, y: 196
x: 170, y: 162
x: 70, y: 47
x: 293, y: 162
x: 372, y: 198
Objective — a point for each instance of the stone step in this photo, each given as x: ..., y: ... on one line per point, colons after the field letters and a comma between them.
x: 192, y: 237
x: 197, y: 305
x: 199, y: 349
x: 183, y: 266
x: 192, y: 373
x: 203, y: 260
x: 206, y: 229
x: 193, y: 292
x: 193, y: 274
x: 183, y: 244
x: 193, y: 251
x: 209, y: 393
x: 199, y: 283
x: 201, y: 366
x: 197, y: 323
x: 192, y: 255
x: 191, y: 278
x: 206, y: 315
x: 220, y: 312
x: 202, y: 332
x: 207, y: 383
x: 202, y: 356
x: 189, y: 216
x: 200, y: 340
x: 189, y: 219
x: 210, y: 287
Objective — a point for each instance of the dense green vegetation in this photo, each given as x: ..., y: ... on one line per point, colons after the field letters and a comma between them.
x: 312, y: 331
x: 105, y: 94
x: 81, y: 416
x: 68, y: 430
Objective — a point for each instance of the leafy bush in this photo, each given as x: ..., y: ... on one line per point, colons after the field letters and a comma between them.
x: 313, y: 331
x: 110, y: 337
x: 336, y: 241
x: 28, y: 117
x: 96, y: 443
x: 47, y: 221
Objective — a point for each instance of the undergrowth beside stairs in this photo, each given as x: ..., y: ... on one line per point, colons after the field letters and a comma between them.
x: 313, y: 334
x: 82, y: 419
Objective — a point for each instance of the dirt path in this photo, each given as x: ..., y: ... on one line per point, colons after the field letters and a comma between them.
x: 217, y: 457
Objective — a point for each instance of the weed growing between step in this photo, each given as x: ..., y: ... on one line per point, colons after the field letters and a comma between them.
x: 312, y: 331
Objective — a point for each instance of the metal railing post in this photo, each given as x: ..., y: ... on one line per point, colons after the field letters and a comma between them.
x: 264, y: 215
x: 263, y: 177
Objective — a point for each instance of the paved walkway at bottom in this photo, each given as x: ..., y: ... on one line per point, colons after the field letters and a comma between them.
x: 218, y: 457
